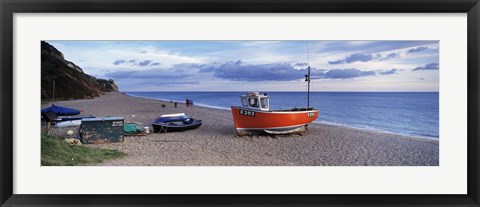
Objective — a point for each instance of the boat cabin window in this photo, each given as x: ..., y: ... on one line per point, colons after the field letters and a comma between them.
x: 244, y: 102
x: 253, y: 102
x: 264, y: 103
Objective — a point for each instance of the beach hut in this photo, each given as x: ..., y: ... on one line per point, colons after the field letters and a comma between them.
x: 101, y: 130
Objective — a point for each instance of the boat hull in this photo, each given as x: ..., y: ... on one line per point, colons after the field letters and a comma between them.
x: 168, y: 127
x: 71, y: 118
x: 249, y: 121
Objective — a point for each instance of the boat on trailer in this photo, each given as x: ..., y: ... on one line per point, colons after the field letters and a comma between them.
x: 175, y: 123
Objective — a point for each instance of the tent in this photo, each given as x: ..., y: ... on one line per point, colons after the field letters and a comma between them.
x: 61, y: 111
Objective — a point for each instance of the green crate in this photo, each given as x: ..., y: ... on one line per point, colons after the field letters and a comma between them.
x: 101, y: 130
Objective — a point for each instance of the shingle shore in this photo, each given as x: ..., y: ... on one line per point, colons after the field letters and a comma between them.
x: 216, y: 143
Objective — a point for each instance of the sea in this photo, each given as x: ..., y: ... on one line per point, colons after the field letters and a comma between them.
x: 404, y: 113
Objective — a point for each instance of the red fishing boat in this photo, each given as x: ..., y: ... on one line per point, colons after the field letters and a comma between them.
x: 255, y: 116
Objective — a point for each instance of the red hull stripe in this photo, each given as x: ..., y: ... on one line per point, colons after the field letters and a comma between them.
x: 284, y: 127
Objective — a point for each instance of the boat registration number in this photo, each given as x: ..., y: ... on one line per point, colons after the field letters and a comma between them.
x: 247, y: 113
x: 311, y: 114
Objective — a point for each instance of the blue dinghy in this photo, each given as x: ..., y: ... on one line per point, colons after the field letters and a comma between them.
x: 61, y: 111
x: 175, y: 123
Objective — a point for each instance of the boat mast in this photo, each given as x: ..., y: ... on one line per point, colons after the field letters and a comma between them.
x: 53, y: 96
x: 307, y: 78
x: 308, y: 93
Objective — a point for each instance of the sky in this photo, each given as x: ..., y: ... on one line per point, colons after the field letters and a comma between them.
x: 259, y: 65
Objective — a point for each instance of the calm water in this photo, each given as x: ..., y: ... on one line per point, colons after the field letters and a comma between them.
x: 407, y: 113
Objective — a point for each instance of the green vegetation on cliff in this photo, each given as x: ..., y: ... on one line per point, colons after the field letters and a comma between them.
x: 70, y: 80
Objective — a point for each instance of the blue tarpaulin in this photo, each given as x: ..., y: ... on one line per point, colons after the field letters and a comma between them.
x: 61, y: 111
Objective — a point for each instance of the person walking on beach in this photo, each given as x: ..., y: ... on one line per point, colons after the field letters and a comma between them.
x: 189, y: 103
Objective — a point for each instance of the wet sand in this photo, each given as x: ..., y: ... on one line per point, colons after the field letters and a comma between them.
x: 216, y: 143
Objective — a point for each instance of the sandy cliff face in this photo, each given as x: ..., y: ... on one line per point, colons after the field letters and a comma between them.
x: 70, y: 80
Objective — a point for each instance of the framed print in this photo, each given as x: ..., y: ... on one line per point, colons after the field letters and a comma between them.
x: 239, y: 103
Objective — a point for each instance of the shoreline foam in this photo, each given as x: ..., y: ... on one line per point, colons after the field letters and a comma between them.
x: 371, y: 129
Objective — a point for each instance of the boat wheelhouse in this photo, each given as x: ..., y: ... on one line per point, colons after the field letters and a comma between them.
x: 255, y: 101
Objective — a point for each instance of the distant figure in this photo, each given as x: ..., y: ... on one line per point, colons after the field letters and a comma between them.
x: 175, y: 103
x: 189, y: 102
x: 163, y: 105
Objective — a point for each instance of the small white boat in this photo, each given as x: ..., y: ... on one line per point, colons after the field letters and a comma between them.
x: 70, y: 123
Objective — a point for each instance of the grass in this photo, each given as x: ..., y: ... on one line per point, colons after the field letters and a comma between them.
x: 56, y: 152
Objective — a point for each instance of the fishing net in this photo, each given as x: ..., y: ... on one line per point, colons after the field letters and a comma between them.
x: 131, y: 128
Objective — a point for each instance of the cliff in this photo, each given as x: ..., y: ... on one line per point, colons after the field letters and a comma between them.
x: 70, y: 80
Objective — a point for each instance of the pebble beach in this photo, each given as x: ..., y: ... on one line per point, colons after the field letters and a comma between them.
x: 216, y: 142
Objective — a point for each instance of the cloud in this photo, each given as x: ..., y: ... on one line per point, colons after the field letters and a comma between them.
x: 431, y: 66
x: 356, y: 57
x: 364, y: 57
x: 336, y: 62
x: 417, y: 49
x: 136, y: 63
x: 359, y: 57
x: 118, y: 62
x: 393, y: 54
x: 144, y: 63
x: 370, y: 46
x: 388, y: 72
x: 347, y: 73
x: 390, y: 56
x: 301, y: 64
x: 146, y: 74
x: 239, y: 71
x: 258, y: 43
x: 173, y: 83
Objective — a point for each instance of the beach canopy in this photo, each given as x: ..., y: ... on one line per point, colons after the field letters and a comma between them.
x: 61, y: 111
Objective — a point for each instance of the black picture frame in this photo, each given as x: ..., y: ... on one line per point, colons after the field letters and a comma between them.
x: 10, y: 7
